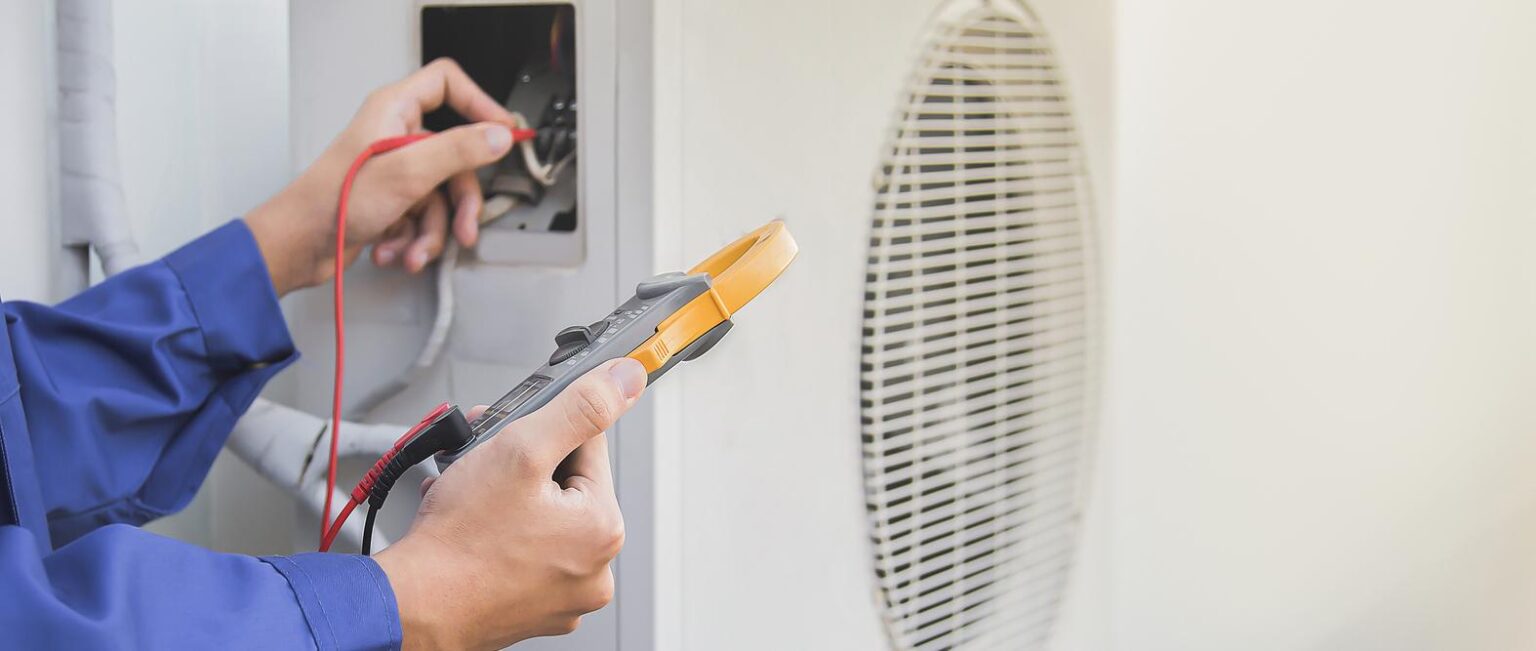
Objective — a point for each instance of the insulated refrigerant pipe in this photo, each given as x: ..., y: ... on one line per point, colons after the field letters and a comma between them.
x: 93, y: 209
x: 285, y: 446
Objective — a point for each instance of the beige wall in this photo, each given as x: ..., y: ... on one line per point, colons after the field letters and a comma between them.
x: 1322, y: 326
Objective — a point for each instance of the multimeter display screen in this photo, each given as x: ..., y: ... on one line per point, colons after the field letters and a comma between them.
x: 498, y: 412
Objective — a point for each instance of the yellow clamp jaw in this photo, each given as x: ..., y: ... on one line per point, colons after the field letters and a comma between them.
x: 738, y: 273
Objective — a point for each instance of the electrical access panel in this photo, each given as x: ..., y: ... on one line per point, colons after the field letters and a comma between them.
x: 524, y: 56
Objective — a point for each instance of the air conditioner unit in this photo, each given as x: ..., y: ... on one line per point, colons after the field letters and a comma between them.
x: 889, y: 450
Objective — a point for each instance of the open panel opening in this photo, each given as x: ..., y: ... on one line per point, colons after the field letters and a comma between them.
x: 524, y: 56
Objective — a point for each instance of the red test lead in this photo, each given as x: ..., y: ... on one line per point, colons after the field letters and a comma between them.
x: 339, y: 293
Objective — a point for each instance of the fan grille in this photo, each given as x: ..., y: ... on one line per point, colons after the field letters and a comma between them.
x: 976, y: 342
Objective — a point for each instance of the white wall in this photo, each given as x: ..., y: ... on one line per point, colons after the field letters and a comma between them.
x: 25, y: 199
x: 202, y: 112
x: 769, y: 109
x: 1323, y: 316
x: 1322, y: 300
x: 203, y: 128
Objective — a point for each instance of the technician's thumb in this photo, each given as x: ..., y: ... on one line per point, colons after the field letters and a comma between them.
x: 586, y: 408
x: 424, y: 165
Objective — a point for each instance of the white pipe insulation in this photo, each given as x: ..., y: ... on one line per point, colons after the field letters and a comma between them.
x: 431, y: 349
x: 93, y: 209
x: 289, y: 447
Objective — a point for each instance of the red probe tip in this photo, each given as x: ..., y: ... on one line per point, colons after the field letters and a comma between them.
x: 519, y: 135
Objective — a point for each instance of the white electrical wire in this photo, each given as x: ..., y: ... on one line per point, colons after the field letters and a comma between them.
x: 442, y: 322
x: 536, y: 169
x: 555, y: 169
x: 430, y: 349
x: 545, y: 173
x: 496, y: 206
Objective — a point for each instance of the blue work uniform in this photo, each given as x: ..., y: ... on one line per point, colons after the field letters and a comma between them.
x: 113, y: 405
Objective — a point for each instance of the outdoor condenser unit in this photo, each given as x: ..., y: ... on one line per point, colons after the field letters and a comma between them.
x: 890, y: 449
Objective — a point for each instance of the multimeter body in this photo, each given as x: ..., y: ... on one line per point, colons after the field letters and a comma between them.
x: 672, y: 318
x: 579, y: 349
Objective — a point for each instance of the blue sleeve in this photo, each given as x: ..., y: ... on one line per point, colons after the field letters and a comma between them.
x: 131, y: 387
x: 127, y: 392
x: 122, y: 587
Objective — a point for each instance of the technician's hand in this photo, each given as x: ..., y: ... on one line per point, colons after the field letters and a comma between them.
x: 401, y: 199
x: 500, y: 551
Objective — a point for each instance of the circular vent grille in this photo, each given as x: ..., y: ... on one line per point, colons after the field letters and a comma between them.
x: 976, y: 340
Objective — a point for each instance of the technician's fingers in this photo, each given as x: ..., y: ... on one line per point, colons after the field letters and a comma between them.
x: 464, y: 189
x: 583, y: 410
x: 417, y: 169
x: 432, y: 233
x: 588, y: 466
x: 443, y: 81
x: 391, y: 248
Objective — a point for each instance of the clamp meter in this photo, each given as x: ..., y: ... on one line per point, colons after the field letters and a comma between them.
x: 672, y: 318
